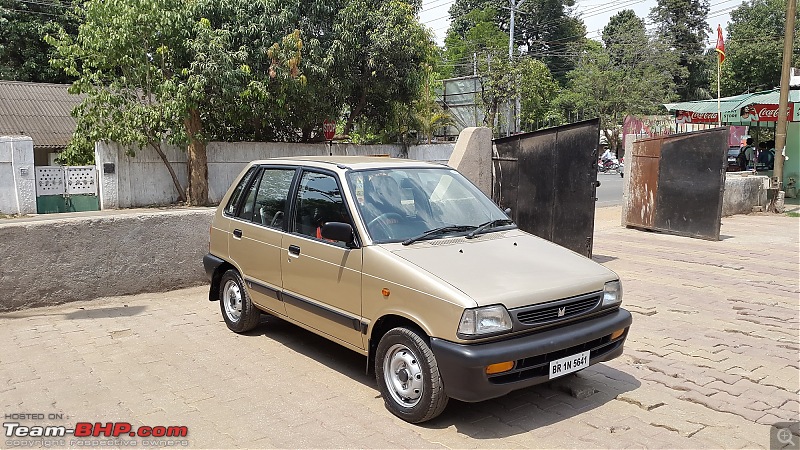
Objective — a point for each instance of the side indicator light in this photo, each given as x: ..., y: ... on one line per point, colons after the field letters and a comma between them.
x: 385, y: 292
x: 499, y: 367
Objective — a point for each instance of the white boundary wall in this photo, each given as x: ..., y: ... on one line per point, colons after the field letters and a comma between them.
x: 17, y: 177
x: 143, y: 180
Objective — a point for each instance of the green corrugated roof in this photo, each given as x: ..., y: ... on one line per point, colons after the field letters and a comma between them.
x: 771, y: 97
x: 709, y: 106
x: 733, y: 103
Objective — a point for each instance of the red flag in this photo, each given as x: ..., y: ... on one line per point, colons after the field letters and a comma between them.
x: 720, y: 44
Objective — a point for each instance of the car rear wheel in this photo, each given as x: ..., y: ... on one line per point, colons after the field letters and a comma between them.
x: 408, y: 376
x: 237, y: 309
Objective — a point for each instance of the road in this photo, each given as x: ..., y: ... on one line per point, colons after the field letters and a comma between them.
x: 710, y: 362
x: 609, y: 193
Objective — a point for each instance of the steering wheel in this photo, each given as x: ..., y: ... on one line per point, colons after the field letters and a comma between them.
x: 381, y: 218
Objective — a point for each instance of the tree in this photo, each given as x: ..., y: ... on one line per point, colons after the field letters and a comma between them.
x: 544, y: 29
x: 24, y: 55
x: 481, y: 37
x: 537, y: 90
x: 428, y: 115
x: 625, y: 39
x: 641, y: 56
x: 681, y: 24
x: 603, y: 89
x: 293, y: 111
x: 158, y: 70
x: 502, y: 81
x: 754, y: 47
x: 381, y: 48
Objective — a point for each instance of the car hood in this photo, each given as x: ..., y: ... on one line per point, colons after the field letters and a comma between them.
x: 512, y: 268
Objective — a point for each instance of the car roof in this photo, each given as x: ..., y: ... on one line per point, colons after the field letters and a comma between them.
x: 349, y: 162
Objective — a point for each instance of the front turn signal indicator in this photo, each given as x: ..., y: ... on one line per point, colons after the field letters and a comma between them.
x: 499, y: 367
x: 617, y: 334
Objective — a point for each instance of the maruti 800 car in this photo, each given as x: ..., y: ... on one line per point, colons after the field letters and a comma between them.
x: 411, y: 265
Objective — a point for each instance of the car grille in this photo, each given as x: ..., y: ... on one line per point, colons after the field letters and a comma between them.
x: 561, y: 309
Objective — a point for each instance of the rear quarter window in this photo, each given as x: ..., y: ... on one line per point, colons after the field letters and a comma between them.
x: 233, y: 203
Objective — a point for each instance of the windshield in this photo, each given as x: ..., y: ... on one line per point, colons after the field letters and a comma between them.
x: 401, y: 204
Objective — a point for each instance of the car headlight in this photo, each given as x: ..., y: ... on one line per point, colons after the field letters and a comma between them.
x: 612, y: 293
x: 486, y: 320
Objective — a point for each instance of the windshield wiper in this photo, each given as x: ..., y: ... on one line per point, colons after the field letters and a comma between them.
x: 444, y: 229
x: 487, y: 225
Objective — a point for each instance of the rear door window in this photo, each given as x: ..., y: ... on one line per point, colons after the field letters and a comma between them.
x: 270, y: 199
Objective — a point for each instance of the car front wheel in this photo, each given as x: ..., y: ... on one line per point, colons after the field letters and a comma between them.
x: 237, y: 309
x: 408, y: 376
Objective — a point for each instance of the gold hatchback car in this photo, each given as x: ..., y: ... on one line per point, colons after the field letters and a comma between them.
x: 410, y: 264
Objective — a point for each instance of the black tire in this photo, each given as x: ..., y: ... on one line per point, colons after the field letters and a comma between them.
x: 408, y: 351
x: 231, y: 285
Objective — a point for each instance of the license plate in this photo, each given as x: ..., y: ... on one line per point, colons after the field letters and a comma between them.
x: 569, y: 364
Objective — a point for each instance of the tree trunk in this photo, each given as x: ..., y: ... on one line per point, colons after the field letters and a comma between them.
x: 362, y: 102
x: 178, y: 187
x: 197, y: 162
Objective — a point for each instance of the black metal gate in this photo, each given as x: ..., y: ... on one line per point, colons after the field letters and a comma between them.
x: 547, y: 178
x: 676, y: 183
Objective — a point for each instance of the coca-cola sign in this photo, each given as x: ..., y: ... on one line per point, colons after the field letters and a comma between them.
x: 695, y: 117
x: 764, y: 113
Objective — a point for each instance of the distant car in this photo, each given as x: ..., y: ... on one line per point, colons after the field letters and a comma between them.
x: 733, y: 163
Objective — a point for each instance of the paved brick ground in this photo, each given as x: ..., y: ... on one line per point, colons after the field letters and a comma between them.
x: 711, y: 360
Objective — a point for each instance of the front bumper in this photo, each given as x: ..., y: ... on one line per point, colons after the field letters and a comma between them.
x: 463, y: 366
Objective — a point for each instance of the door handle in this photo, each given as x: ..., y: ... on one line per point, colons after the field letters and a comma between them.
x: 294, y: 250
x: 237, y: 233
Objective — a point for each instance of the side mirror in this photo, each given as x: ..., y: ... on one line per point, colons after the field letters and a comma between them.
x: 338, y: 231
x: 508, y: 212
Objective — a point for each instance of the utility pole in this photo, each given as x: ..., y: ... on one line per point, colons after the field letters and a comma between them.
x: 513, y: 6
x: 783, y: 101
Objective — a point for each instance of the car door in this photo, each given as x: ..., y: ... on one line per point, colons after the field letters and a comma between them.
x: 321, y: 278
x: 254, y: 242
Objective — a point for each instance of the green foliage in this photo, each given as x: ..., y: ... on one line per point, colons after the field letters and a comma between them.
x: 754, y: 47
x: 24, y: 55
x: 628, y: 77
x: 537, y: 89
x: 543, y: 28
x: 380, y: 51
x: 479, y: 36
x: 154, y: 71
x: 681, y: 25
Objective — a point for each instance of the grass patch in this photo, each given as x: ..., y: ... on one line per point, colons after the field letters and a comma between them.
x: 793, y: 214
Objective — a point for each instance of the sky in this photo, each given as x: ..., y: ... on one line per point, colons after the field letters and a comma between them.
x: 595, y: 14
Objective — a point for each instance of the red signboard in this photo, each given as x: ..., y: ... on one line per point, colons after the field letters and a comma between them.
x: 764, y: 113
x: 695, y: 117
x: 329, y: 129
